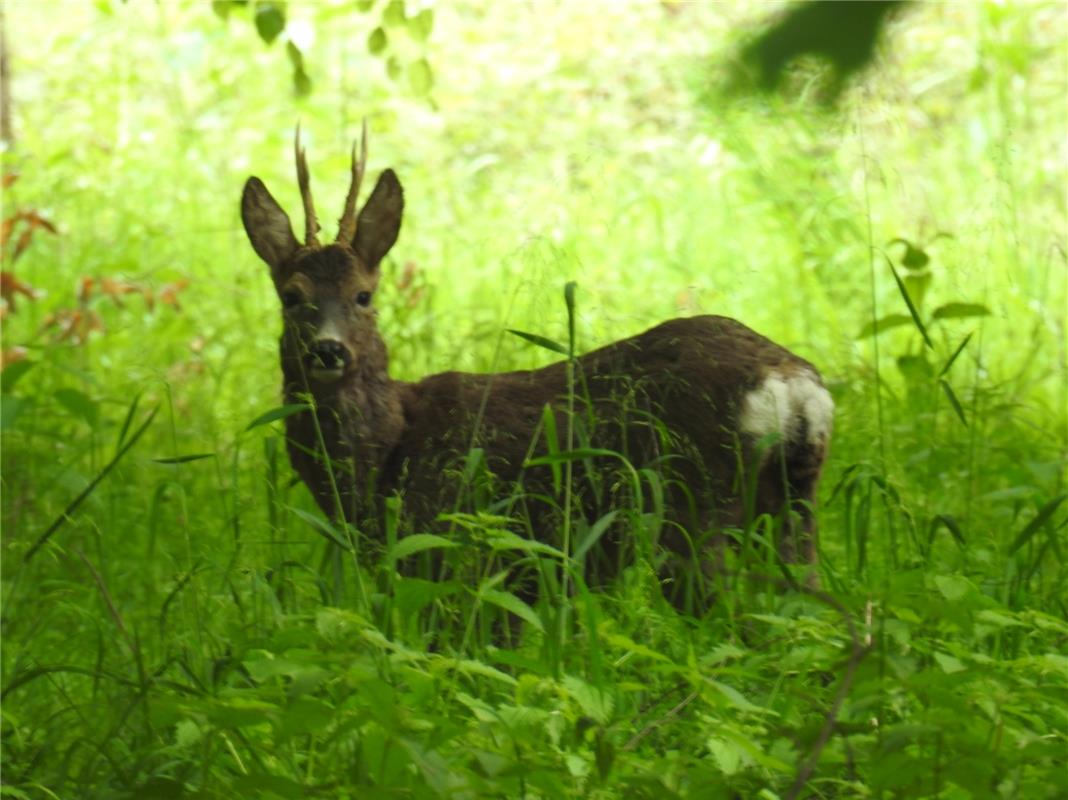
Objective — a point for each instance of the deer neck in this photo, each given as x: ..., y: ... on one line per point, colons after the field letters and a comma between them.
x: 359, y: 416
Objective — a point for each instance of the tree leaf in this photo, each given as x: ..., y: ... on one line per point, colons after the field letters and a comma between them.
x: 270, y: 21
x: 421, y: 76
x: 421, y: 24
x: 11, y: 374
x: 394, y: 15
x: 79, y: 404
x: 960, y: 311
x: 377, y: 41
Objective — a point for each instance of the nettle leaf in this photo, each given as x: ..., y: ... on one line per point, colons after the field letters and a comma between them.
x: 417, y: 543
x: 421, y: 76
x: 509, y: 602
x: 596, y: 703
x: 960, y: 311
x: 420, y: 25
x: 80, y: 405
x: 270, y: 21
x: 13, y: 373
x: 914, y: 257
x: 884, y: 324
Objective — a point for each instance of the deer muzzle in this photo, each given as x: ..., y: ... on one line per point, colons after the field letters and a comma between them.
x: 327, y: 360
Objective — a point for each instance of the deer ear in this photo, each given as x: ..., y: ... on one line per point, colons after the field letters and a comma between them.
x: 379, y: 221
x: 267, y: 225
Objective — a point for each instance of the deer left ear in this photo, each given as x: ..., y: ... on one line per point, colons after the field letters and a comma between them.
x: 267, y: 225
x: 379, y: 222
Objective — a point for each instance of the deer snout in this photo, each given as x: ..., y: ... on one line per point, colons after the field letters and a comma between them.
x: 327, y: 360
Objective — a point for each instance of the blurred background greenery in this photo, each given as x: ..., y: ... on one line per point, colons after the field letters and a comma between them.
x: 612, y: 144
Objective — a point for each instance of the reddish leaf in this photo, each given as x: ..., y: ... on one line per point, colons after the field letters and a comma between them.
x: 11, y: 286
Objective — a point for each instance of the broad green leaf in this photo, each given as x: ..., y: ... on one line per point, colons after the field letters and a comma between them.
x: 509, y: 602
x: 323, y: 526
x: 501, y: 539
x: 421, y: 76
x: 914, y: 258
x: 11, y: 408
x: 281, y: 412
x: 540, y: 341
x: 270, y: 21
x: 80, y: 405
x: 394, y: 14
x: 884, y: 324
x: 471, y: 667
x: 420, y: 25
x: 302, y: 85
x: 595, y: 701
x: 953, y: 587
x: 960, y: 311
x: 949, y: 664
x: 377, y: 41
x: 418, y: 543
x: 13, y: 372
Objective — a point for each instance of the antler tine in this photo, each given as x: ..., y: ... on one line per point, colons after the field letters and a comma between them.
x: 346, y: 228
x: 311, y: 224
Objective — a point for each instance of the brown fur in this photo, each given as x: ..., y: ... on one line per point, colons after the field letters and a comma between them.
x: 669, y: 399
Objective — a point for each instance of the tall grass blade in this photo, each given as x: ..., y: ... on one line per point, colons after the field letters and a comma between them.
x: 1034, y: 525
x: 953, y: 401
x: 957, y: 352
x: 913, y: 311
x: 88, y: 490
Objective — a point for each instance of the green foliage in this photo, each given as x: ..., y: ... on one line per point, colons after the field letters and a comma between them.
x: 179, y: 620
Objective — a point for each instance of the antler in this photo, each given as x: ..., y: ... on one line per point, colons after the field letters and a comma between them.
x: 346, y: 226
x: 311, y: 224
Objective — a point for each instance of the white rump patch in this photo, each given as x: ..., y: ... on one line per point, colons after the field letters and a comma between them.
x: 794, y: 405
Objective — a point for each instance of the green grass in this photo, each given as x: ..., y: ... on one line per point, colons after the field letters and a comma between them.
x: 183, y: 631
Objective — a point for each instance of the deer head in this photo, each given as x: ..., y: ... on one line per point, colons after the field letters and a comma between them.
x: 327, y: 291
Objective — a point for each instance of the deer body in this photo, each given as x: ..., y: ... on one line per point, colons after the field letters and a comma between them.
x: 691, y: 398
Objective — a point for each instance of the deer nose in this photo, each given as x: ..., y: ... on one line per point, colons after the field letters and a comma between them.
x: 329, y: 354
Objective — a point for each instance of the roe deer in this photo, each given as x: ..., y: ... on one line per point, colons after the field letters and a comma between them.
x: 735, y: 425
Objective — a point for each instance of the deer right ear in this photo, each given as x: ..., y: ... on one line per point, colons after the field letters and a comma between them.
x: 267, y: 225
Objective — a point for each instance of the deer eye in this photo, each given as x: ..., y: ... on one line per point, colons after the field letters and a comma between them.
x: 291, y: 298
x: 363, y: 298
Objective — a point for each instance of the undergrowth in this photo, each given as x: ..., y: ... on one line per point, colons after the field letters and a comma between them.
x: 179, y: 620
